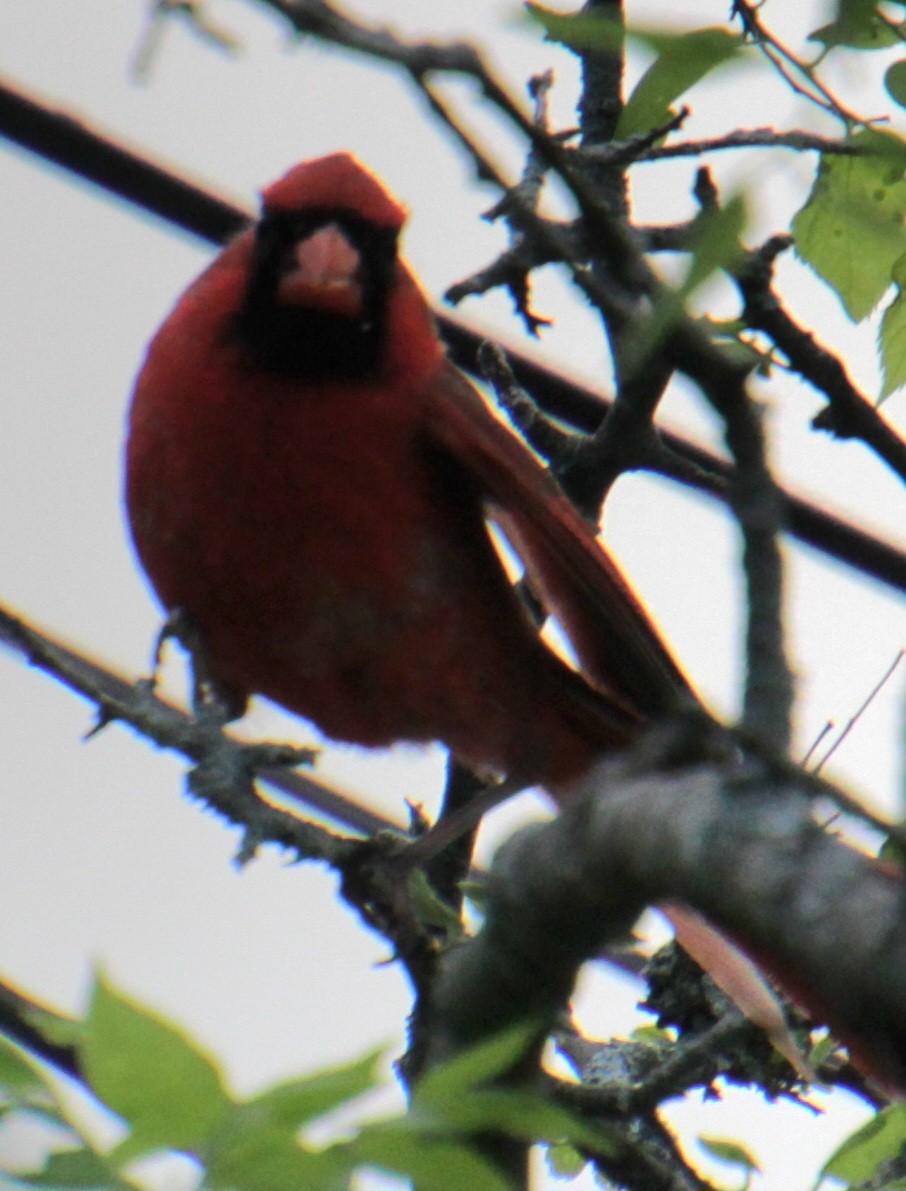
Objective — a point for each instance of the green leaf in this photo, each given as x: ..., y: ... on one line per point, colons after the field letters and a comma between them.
x: 152, y: 1074
x: 858, y: 26
x: 895, y: 82
x: 652, y: 1035
x: 475, y: 891
x: 74, y: 1168
x: 55, y: 1027
x: 682, y: 61
x: 17, y: 1074
x: 731, y: 1152
x: 431, y: 910
x: 579, y: 31
x: 433, y: 1164
x: 479, y: 1064
x: 880, y: 1140
x: 729, y: 333
x: 714, y: 245
x: 851, y: 229
x: 892, y: 344
x: 822, y: 1050
x: 265, y: 1158
x: 451, y: 1099
x: 715, y: 242
x: 565, y: 1161
x: 26, y: 1089
x: 290, y: 1105
x: 893, y: 852
x: 525, y: 1115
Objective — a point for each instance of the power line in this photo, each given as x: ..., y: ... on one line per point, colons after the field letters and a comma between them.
x: 57, y: 136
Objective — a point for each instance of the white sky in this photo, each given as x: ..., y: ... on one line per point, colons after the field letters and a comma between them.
x: 101, y: 857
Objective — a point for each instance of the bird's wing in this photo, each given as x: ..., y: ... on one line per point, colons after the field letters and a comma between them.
x: 615, y: 640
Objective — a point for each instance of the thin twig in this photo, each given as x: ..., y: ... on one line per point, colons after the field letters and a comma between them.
x: 813, y: 747
x: 320, y: 19
x: 799, y: 75
x: 514, y: 267
x: 863, y: 707
x: 751, y: 138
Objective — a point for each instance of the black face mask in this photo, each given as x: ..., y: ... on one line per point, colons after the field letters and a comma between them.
x: 305, y: 342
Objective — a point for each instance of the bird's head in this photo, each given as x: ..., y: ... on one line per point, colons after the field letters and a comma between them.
x: 324, y: 263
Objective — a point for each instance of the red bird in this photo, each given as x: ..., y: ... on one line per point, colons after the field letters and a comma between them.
x: 310, y: 481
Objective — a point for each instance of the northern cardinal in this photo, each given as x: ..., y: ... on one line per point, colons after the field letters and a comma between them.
x: 310, y: 481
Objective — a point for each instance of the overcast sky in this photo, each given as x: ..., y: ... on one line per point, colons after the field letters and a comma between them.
x: 102, y: 858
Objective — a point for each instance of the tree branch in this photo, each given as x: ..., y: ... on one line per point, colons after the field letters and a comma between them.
x: 849, y: 413
x: 739, y: 844
x: 224, y: 770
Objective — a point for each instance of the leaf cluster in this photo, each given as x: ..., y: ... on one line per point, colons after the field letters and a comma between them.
x: 850, y: 230
x: 170, y: 1096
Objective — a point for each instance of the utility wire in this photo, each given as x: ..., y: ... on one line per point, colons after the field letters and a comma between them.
x: 58, y: 136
